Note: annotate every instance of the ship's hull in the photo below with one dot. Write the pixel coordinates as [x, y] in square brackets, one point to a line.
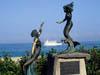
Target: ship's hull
[52, 43]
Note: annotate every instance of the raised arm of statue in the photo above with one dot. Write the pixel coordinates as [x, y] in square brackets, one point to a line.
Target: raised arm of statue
[40, 30]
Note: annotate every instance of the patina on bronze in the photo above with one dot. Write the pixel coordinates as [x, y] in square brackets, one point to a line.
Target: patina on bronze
[68, 9]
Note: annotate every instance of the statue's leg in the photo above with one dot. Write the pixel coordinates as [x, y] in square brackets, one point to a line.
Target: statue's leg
[67, 36]
[70, 43]
[71, 40]
[75, 43]
[69, 28]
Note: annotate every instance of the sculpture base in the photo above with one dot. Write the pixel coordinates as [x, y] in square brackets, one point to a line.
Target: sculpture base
[70, 64]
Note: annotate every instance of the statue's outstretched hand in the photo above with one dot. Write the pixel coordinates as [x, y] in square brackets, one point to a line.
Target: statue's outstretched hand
[59, 22]
[40, 30]
[41, 25]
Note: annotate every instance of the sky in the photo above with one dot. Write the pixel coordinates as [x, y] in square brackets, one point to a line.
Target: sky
[19, 17]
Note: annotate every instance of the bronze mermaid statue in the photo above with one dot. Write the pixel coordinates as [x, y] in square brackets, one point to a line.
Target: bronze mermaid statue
[68, 9]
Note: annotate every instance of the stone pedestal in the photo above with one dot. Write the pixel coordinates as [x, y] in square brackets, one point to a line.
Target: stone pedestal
[70, 64]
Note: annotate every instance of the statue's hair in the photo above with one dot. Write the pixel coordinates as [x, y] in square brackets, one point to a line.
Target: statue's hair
[34, 33]
[68, 7]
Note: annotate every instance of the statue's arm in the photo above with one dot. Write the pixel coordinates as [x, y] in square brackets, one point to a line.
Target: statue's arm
[65, 18]
[40, 30]
[31, 60]
[28, 62]
[59, 22]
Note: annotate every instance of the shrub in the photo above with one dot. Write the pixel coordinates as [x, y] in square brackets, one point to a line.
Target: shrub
[9, 67]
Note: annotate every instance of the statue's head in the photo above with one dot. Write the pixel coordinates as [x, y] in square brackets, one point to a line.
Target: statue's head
[34, 33]
[68, 8]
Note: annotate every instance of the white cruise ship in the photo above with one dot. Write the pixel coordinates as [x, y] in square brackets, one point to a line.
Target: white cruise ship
[51, 43]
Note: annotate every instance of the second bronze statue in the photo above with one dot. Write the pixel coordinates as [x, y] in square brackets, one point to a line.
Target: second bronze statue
[68, 9]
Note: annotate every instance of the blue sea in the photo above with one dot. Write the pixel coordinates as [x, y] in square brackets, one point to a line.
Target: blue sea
[20, 49]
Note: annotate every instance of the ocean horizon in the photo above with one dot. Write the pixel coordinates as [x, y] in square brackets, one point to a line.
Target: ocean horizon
[20, 49]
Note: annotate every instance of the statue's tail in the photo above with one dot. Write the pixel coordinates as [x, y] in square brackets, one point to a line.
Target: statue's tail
[76, 43]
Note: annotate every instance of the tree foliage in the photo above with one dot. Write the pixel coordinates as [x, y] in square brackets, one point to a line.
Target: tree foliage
[9, 67]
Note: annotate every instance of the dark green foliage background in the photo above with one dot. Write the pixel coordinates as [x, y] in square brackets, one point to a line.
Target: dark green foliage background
[9, 67]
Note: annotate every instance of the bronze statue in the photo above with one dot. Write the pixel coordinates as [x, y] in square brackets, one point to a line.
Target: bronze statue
[36, 48]
[68, 9]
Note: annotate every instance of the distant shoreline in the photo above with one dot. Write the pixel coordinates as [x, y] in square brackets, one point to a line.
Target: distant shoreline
[19, 50]
[15, 59]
